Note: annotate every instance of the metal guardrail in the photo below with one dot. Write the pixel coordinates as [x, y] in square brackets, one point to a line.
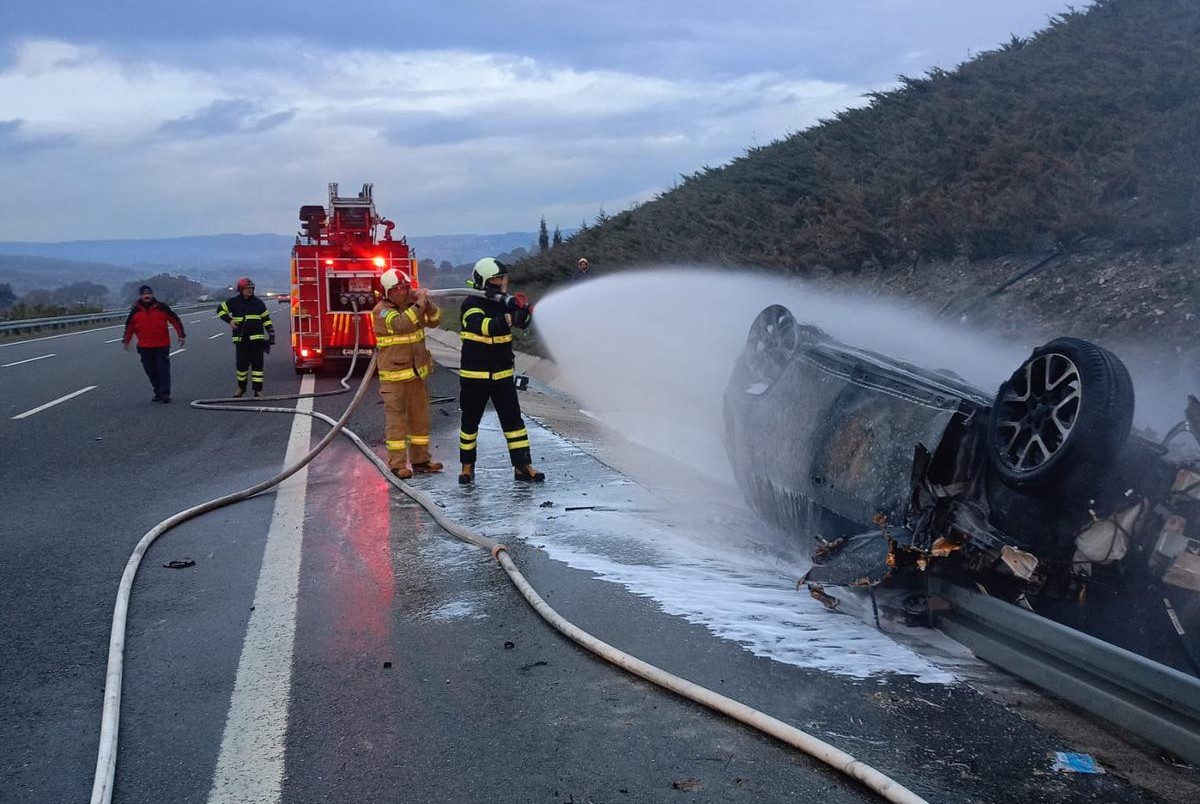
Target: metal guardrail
[1149, 699]
[29, 325]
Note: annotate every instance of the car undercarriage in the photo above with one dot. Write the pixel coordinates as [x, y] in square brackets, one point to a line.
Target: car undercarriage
[1042, 494]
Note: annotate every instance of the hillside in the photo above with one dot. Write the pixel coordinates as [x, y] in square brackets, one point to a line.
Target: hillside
[1079, 142]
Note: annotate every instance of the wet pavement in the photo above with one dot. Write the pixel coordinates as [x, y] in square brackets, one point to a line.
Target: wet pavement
[422, 675]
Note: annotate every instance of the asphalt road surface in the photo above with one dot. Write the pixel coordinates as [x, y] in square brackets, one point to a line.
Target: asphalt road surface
[331, 643]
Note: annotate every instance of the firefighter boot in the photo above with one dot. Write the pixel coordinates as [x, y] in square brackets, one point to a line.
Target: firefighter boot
[239, 392]
[467, 476]
[528, 474]
[404, 473]
[257, 394]
[426, 467]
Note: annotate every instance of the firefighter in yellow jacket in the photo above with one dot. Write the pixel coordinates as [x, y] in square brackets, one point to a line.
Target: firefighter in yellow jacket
[400, 319]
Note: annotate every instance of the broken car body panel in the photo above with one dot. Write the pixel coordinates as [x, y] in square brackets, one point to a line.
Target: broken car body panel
[895, 470]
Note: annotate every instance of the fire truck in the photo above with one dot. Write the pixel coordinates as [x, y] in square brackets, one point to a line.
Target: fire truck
[336, 265]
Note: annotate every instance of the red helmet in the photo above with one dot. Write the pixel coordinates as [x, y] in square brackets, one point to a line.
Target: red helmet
[244, 283]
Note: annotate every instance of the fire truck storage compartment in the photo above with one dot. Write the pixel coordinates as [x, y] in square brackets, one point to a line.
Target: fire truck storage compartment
[344, 290]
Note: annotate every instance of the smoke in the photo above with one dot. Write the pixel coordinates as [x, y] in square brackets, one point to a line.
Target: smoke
[650, 353]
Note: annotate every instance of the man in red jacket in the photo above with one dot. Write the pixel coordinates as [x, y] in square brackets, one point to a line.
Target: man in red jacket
[148, 321]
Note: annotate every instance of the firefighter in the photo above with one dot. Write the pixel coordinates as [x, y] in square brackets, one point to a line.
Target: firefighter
[253, 334]
[400, 319]
[486, 370]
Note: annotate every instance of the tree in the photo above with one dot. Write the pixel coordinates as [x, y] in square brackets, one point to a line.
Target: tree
[81, 293]
[543, 235]
[7, 297]
[38, 297]
[557, 236]
[601, 217]
[167, 288]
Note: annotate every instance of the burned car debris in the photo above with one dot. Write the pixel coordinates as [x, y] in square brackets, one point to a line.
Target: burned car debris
[1040, 493]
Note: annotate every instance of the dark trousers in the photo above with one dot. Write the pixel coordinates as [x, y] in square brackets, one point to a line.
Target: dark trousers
[249, 356]
[473, 398]
[156, 362]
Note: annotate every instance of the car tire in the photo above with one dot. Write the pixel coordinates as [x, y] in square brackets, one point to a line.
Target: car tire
[774, 338]
[1068, 408]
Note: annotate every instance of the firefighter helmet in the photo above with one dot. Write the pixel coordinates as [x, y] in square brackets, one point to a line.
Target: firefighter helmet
[485, 269]
[391, 278]
[243, 283]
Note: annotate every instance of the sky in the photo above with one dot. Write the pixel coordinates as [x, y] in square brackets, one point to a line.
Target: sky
[144, 120]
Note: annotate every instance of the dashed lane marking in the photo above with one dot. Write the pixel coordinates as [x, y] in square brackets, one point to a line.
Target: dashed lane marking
[30, 360]
[63, 335]
[219, 334]
[40, 408]
[177, 351]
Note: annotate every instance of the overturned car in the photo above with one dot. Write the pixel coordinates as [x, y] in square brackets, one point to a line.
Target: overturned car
[1041, 494]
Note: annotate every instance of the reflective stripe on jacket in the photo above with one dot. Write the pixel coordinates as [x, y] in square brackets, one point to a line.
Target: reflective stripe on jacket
[400, 337]
[487, 352]
[251, 316]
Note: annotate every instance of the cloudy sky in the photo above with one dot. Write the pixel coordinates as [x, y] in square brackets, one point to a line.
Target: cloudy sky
[125, 120]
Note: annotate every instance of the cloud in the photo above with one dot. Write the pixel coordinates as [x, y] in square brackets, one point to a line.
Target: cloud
[469, 141]
[15, 141]
[515, 110]
[236, 115]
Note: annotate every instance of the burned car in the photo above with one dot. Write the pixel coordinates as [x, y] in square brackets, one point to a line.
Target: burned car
[1041, 493]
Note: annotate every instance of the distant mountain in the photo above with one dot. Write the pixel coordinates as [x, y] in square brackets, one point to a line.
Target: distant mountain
[239, 253]
[41, 273]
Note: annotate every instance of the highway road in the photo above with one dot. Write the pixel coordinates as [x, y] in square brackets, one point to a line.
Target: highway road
[331, 643]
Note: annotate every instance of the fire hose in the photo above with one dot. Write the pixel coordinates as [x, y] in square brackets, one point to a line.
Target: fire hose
[106, 759]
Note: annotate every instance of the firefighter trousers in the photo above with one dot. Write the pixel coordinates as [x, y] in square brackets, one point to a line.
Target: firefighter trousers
[406, 421]
[249, 363]
[473, 398]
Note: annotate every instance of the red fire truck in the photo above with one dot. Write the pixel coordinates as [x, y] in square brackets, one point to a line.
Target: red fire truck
[336, 265]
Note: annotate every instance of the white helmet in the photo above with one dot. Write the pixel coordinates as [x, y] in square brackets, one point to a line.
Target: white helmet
[391, 278]
[485, 269]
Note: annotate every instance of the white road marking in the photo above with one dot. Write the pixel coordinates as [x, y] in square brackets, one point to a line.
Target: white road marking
[40, 408]
[30, 360]
[250, 764]
[177, 351]
[63, 335]
[115, 340]
[219, 334]
[198, 320]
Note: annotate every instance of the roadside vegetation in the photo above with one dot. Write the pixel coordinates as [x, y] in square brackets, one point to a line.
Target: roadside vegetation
[1083, 134]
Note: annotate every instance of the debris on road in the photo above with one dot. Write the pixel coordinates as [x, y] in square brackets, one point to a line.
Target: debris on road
[1070, 762]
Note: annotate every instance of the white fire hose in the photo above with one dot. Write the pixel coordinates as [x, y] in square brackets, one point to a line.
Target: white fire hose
[106, 759]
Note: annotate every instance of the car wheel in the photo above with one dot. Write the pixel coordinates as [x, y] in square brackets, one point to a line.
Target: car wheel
[773, 340]
[1068, 407]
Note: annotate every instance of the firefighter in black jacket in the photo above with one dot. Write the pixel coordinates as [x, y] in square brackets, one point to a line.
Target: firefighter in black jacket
[253, 334]
[486, 369]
